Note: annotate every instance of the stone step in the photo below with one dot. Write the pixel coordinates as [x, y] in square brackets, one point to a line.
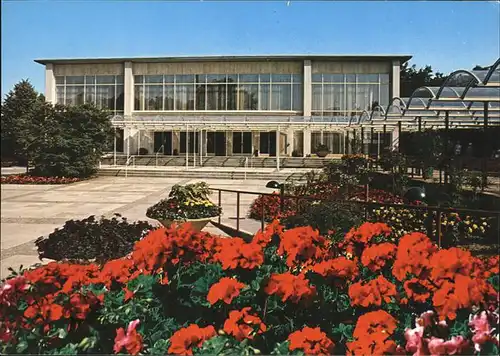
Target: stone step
[201, 174]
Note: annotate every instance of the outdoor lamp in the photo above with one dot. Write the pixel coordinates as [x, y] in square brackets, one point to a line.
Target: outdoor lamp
[275, 185]
[414, 194]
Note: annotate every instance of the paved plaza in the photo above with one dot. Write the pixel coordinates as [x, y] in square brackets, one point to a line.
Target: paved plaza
[31, 211]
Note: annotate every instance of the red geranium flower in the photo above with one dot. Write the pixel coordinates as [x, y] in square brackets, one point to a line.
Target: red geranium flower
[312, 341]
[413, 255]
[233, 253]
[226, 290]
[372, 293]
[289, 286]
[418, 289]
[375, 257]
[302, 245]
[243, 325]
[372, 334]
[183, 340]
[131, 341]
[340, 267]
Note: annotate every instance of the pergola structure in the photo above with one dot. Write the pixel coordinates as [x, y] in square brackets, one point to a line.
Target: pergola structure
[466, 99]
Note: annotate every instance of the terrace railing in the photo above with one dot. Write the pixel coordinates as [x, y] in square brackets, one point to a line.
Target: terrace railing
[436, 212]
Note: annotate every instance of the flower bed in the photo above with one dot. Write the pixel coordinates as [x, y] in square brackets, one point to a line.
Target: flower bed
[284, 292]
[27, 179]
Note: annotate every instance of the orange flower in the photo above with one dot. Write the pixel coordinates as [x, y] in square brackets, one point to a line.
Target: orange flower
[263, 238]
[366, 232]
[226, 290]
[417, 289]
[233, 253]
[312, 341]
[339, 267]
[372, 334]
[375, 257]
[183, 340]
[413, 255]
[302, 244]
[289, 286]
[446, 301]
[372, 293]
[448, 263]
[243, 325]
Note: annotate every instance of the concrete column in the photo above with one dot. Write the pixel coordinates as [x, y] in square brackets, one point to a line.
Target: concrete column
[130, 140]
[395, 79]
[307, 142]
[229, 143]
[50, 84]
[255, 141]
[128, 106]
[307, 88]
[290, 141]
[395, 139]
[176, 141]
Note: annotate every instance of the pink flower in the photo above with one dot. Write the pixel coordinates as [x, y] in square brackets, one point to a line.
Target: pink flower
[132, 341]
[10, 289]
[481, 328]
[438, 346]
[414, 340]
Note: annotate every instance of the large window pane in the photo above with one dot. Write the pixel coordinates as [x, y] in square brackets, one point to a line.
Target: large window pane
[216, 96]
[248, 97]
[189, 78]
[59, 79]
[75, 95]
[153, 79]
[298, 97]
[351, 97]
[249, 78]
[169, 97]
[60, 94]
[75, 80]
[367, 78]
[281, 78]
[333, 78]
[281, 97]
[120, 98]
[328, 97]
[104, 96]
[90, 79]
[153, 97]
[232, 97]
[105, 79]
[317, 98]
[90, 94]
[264, 97]
[317, 78]
[184, 97]
[201, 97]
[384, 95]
[139, 97]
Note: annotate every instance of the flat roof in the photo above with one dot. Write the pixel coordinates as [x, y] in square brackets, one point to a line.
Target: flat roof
[235, 58]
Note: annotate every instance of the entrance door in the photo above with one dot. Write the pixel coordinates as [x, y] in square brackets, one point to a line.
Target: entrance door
[163, 139]
[220, 143]
[268, 143]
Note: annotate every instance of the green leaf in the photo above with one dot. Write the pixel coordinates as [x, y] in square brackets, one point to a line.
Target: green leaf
[21, 346]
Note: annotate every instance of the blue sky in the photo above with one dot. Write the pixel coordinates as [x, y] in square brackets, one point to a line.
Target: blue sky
[446, 35]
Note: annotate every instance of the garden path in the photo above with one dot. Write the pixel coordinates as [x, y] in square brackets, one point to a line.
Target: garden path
[30, 211]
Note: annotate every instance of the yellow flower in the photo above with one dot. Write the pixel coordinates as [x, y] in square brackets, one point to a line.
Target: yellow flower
[475, 226]
[186, 203]
[467, 222]
[470, 229]
[482, 229]
[191, 204]
[485, 224]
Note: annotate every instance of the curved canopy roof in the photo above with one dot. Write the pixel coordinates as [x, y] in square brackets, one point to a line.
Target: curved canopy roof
[464, 98]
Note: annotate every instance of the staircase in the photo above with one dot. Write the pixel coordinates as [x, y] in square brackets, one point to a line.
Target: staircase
[221, 161]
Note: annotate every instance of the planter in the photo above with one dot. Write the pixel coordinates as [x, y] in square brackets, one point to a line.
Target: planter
[198, 224]
[322, 154]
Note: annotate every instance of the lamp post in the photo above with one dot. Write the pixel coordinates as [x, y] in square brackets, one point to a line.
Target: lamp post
[275, 185]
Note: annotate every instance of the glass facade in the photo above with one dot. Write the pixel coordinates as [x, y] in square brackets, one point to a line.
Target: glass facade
[218, 92]
[348, 94]
[106, 91]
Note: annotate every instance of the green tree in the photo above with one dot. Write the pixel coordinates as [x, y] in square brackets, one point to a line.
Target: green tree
[21, 122]
[413, 78]
[74, 142]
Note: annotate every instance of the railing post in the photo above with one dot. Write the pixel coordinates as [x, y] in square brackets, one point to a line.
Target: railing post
[262, 214]
[282, 198]
[220, 196]
[438, 227]
[237, 211]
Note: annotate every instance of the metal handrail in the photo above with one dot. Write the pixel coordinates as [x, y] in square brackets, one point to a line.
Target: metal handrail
[366, 204]
[156, 154]
[127, 163]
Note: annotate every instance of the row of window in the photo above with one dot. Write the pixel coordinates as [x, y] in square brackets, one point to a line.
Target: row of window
[214, 92]
[332, 94]
[106, 91]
